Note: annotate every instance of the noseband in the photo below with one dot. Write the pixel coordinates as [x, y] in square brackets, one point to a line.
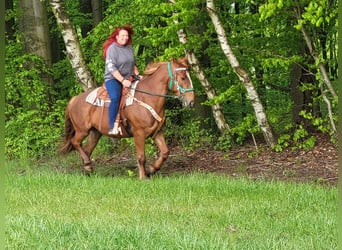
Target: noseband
[174, 80]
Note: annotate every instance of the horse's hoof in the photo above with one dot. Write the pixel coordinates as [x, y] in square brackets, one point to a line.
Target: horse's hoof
[88, 170]
[151, 171]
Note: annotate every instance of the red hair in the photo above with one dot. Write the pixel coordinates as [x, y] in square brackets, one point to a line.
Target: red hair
[112, 37]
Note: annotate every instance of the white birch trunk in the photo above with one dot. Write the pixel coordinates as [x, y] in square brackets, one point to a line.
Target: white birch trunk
[243, 76]
[324, 74]
[72, 45]
[221, 123]
[321, 66]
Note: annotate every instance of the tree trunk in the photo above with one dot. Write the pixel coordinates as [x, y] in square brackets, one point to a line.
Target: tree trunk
[221, 123]
[85, 8]
[10, 22]
[321, 66]
[34, 25]
[323, 71]
[243, 76]
[296, 93]
[72, 45]
[313, 53]
[97, 10]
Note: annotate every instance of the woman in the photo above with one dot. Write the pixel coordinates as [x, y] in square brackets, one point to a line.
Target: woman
[119, 67]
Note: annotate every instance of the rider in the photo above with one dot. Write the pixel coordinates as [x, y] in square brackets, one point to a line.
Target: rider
[119, 67]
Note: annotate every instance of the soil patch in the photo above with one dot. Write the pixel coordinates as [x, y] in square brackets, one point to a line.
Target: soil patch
[317, 165]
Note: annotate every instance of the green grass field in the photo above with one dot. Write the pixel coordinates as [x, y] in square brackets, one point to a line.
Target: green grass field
[47, 209]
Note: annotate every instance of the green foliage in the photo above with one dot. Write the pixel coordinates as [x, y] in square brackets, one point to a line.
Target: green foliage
[299, 139]
[302, 139]
[33, 113]
[322, 123]
[224, 142]
[32, 136]
[184, 130]
[245, 129]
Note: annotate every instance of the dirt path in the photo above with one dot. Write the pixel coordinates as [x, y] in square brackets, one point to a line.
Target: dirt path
[318, 165]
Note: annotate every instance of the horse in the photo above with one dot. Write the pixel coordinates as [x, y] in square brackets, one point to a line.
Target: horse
[142, 116]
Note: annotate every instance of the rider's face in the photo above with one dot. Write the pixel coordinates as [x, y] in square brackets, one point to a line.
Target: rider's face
[122, 38]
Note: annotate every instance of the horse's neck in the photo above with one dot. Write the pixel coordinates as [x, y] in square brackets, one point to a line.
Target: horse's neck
[156, 87]
[156, 83]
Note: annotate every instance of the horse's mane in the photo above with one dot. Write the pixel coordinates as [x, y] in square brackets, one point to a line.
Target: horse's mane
[152, 67]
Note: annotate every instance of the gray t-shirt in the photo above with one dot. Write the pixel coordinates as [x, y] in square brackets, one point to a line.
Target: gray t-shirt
[119, 58]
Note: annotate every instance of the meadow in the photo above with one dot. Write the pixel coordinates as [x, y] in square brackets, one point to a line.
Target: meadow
[47, 209]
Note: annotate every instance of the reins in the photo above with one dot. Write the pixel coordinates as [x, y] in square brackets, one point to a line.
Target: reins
[181, 90]
[153, 94]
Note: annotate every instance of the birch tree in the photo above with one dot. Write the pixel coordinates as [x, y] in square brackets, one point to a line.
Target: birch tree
[242, 75]
[322, 70]
[221, 122]
[317, 22]
[72, 45]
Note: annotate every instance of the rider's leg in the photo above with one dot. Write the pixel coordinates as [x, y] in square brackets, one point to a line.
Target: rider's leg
[114, 92]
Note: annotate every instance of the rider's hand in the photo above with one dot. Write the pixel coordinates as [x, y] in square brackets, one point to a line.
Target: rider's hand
[126, 83]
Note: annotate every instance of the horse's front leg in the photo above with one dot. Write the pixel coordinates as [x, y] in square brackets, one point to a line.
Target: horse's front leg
[164, 152]
[139, 141]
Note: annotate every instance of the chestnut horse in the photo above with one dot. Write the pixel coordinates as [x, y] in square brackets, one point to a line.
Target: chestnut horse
[143, 118]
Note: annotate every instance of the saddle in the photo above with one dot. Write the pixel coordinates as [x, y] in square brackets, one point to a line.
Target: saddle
[99, 97]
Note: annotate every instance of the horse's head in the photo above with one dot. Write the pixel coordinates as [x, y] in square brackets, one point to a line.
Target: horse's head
[180, 81]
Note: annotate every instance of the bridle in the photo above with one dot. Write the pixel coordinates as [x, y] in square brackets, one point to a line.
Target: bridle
[173, 80]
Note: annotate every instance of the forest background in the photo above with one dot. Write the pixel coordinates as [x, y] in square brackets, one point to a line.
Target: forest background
[264, 71]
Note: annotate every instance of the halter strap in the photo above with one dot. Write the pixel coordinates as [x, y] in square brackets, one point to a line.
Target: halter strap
[170, 74]
[181, 90]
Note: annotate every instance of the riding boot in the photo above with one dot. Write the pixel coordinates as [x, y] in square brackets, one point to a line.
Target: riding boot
[116, 129]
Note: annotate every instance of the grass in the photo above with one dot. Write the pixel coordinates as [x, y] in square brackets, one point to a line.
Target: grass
[47, 209]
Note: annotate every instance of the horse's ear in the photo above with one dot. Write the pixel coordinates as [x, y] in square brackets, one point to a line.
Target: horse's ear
[184, 61]
[187, 56]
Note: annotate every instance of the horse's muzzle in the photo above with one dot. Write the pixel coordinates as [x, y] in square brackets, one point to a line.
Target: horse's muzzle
[187, 103]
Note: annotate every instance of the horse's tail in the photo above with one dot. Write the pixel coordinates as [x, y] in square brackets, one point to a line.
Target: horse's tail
[69, 132]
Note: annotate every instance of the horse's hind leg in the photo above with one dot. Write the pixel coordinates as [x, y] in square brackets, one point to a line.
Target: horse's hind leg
[77, 143]
[164, 152]
[92, 140]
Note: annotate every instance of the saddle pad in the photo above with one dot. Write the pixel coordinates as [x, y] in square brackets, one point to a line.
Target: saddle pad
[98, 97]
[94, 99]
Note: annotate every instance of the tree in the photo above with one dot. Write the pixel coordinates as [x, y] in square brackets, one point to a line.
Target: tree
[97, 11]
[209, 90]
[316, 20]
[243, 76]
[72, 45]
[34, 26]
[9, 20]
[322, 70]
